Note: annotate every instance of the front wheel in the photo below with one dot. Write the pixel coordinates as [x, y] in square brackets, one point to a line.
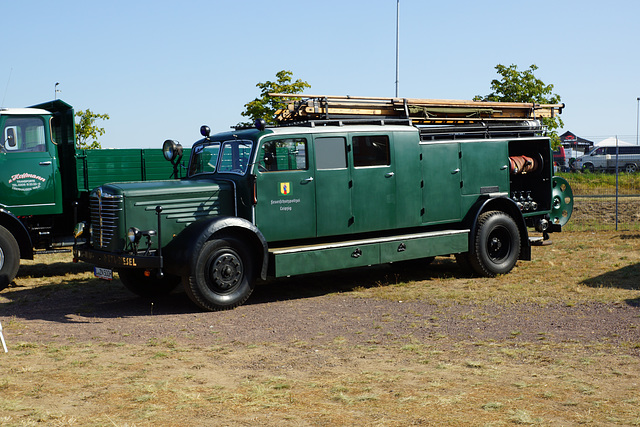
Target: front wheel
[9, 258]
[496, 244]
[222, 276]
[148, 286]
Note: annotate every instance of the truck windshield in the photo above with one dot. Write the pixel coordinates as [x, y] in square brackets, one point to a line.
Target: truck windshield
[223, 157]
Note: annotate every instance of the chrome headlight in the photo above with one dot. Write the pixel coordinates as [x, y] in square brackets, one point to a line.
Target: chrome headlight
[171, 150]
[134, 235]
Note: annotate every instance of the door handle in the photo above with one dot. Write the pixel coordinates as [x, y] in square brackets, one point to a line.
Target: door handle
[389, 174]
[504, 167]
[307, 180]
[455, 171]
[47, 163]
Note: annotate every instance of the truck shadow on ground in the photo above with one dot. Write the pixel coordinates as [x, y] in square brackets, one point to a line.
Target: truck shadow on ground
[53, 269]
[93, 298]
[317, 284]
[623, 278]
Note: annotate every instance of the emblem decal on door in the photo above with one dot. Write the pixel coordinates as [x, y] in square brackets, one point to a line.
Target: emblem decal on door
[285, 188]
[26, 182]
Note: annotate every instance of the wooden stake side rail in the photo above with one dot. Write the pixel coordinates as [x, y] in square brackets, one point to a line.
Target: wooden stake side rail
[419, 111]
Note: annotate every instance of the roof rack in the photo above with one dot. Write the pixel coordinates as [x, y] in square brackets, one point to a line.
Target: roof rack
[303, 108]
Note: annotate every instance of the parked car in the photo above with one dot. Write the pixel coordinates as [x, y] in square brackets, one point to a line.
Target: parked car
[605, 159]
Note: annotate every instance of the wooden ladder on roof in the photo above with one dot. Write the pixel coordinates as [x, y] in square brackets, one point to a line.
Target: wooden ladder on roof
[301, 108]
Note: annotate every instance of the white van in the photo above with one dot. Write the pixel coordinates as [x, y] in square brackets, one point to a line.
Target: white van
[604, 159]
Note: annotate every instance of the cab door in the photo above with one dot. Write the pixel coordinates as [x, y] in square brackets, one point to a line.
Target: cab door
[285, 189]
[28, 170]
[374, 183]
[333, 186]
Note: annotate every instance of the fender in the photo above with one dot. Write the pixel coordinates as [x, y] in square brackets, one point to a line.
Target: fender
[180, 252]
[504, 204]
[19, 232]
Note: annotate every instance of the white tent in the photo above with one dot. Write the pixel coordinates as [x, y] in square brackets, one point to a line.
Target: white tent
[611, 142]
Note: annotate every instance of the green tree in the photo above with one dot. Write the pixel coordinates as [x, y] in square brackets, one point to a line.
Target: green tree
[87, 132]
[265, 106]
[524, 86]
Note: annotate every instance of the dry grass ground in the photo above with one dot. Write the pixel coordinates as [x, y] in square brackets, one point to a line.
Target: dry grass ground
[555, 342]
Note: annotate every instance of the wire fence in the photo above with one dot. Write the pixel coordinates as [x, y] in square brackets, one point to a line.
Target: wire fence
[604, 201]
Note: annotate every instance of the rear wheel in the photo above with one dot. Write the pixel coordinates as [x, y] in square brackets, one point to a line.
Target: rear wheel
[9, 258]
[147, 286]
[496, 244]
[630, 168]
[222, 276]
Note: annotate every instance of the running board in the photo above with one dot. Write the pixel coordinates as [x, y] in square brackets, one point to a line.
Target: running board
[294, 260]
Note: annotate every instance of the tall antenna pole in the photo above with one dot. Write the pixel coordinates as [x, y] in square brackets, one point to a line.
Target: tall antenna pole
[397, 45]
[638, 120]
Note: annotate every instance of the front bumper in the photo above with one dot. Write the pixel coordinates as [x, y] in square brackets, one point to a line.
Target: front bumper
[116, 261]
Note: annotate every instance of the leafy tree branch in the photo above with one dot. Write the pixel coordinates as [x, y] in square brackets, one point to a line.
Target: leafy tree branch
[265, 106]
[87, 132]
[524, 86]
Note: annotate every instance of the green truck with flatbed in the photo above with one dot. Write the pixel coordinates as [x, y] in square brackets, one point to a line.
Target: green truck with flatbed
[341, 182]
[45, 181]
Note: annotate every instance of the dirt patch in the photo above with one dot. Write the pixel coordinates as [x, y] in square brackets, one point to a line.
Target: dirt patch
[555, 342]
[588, 210]
[119, 317]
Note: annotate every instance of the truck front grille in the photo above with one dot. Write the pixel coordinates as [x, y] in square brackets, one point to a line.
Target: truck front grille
[104, 217]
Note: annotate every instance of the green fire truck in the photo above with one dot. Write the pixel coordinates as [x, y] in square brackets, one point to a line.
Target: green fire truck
[340, 182]
[45, 181]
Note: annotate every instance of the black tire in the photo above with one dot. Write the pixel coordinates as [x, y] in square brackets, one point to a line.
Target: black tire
[139, 284]
[496, 244]
[630, 168]
[222, 275]
[9, 258]
[588, 168]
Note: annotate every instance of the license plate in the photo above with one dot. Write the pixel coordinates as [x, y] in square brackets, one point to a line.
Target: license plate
[103, 273]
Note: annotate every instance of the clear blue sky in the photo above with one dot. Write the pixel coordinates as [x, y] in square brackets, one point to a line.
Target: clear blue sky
[161, 69]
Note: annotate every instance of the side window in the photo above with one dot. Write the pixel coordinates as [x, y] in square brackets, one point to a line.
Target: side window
[371, 151]
[283, 155]
[23, 134]
[331, 153]
[629, 150]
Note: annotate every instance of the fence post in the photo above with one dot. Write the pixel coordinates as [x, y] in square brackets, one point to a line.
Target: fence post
[617, 183]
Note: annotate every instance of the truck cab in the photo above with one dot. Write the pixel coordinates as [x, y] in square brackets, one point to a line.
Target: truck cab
[30, 181]
[29, 163]
[326, 194]
[45, 181]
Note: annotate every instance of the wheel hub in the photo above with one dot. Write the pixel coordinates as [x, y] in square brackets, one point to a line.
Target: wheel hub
[226, 271]
[1, 258]
[498, 245]
[495, 244]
